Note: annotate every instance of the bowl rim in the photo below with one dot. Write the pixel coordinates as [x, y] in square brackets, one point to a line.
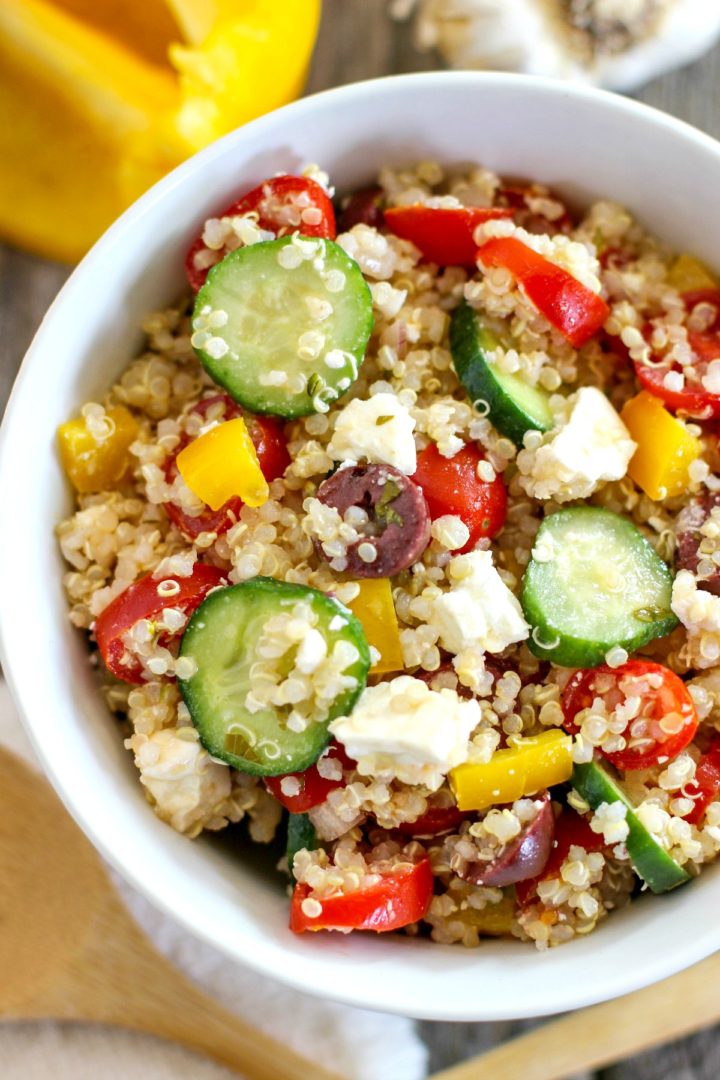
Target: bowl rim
[262, 957]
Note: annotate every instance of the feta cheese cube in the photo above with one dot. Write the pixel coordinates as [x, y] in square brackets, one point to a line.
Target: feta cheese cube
[591, 447]
[404, 730]
[378, 430]
[478, 611]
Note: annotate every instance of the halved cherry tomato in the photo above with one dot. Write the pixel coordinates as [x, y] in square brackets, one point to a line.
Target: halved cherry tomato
[443, 234]
[571, 830]
[452, 486]
[568, 305]
[519, 198]
[279, 203]
[705, 787]
[693, 399]
[401, 897]
[435, 820]
[267, 435]
[146, 599]
[314, 788]
[667, 710]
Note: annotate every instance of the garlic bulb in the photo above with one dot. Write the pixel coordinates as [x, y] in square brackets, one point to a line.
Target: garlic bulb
[614, 43]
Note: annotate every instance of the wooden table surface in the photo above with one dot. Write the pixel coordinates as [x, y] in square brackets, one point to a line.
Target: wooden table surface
[358, 40]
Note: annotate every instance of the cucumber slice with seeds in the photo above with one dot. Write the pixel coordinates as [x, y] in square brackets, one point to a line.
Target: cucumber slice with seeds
[603, 585]
[248, 640]
[514, 406]
[650, 861]
[283, 325]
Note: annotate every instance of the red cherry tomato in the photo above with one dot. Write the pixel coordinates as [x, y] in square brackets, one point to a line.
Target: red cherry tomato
[267, 435]
[666, 709]
[313, 788]
[443, 235]
[693, 399]
[705, 787]
[452, 486]
[568, 305]
[571, 830]
[145, 599]
[279, 203]
[401, 897]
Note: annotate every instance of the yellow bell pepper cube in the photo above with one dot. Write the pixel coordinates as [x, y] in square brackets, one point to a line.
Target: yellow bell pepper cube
[687, 274]
[665, 449]
[102, 99]
[523, 768]
[375, 609]
[222, 464]
[495, 920]
[97, 459]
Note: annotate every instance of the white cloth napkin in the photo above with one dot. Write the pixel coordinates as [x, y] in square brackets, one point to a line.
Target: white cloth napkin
[362, 1045]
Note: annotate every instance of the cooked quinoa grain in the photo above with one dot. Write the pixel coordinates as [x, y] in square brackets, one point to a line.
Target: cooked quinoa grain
[462, 678]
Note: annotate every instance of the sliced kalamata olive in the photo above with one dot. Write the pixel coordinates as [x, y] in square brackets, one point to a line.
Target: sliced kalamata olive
[363, 207]
[687, 528]
[397, 526]
[524, 857]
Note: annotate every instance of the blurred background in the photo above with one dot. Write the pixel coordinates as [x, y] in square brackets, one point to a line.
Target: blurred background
[99, 98]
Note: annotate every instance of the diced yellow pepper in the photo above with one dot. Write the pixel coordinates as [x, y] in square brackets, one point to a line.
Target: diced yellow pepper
[494, 920]
[96, 462]
[222, 464]
[375, 609]
[523, 768]
[687, 274]
[101, 98]
[665, 448]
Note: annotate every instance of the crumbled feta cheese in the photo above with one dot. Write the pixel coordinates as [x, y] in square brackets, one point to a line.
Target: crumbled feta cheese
[380, 430]
[591, 447]
[402, 729]
[478, 610]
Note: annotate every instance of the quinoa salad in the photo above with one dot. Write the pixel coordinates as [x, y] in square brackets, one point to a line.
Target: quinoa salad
[400, 541]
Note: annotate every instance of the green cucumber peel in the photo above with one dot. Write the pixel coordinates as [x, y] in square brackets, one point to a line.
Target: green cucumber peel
[650, 861]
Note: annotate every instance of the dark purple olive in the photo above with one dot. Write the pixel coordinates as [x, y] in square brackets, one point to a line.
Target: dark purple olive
[363, 207]
[397, 530]
[687, 529]
[524, 857]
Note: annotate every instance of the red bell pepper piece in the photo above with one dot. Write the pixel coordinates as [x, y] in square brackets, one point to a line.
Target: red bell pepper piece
[401, 897]
[568, 305]
[443, 234]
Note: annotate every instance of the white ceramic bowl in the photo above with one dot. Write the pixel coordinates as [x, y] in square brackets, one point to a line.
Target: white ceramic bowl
[582, 142]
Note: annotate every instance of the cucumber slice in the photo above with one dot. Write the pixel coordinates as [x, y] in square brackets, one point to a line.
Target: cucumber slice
[300, 835]
[252, 313]
[650, 861]
[227, 637]
[604, 585]
[515, 407]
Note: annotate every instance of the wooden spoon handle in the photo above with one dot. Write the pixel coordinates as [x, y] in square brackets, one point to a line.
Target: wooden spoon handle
[126, 983]
[602, 1034]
